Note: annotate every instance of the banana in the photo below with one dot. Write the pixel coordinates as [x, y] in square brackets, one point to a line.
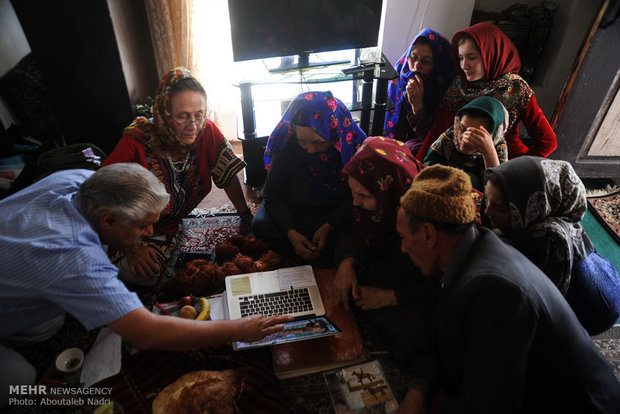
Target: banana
[205, 309]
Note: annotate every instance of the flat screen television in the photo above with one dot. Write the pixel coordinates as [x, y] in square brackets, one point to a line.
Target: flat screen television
[271, 28]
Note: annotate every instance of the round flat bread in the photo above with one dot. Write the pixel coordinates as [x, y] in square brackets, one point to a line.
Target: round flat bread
[212, 392]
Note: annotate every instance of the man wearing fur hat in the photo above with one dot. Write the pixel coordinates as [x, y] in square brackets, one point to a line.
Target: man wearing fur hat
[503, 339]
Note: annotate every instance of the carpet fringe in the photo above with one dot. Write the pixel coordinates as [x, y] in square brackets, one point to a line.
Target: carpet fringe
[213, 211]
[603, 191]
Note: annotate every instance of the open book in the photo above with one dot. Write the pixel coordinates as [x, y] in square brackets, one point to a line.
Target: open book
[360, 388]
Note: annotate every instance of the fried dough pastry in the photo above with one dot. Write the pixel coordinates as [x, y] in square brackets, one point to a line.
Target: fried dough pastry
[245, 263]
[198, 277]
[229, 268]
[225, 251]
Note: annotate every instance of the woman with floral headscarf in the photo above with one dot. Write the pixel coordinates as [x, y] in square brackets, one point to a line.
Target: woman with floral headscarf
[425, 72]
[382, 281]
[488, 64]
[304, 198]
[476, 140]
[378, 175]
[536, 205]
[185, 151]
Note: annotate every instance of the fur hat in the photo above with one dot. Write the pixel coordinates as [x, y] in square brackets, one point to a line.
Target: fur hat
[440, 194]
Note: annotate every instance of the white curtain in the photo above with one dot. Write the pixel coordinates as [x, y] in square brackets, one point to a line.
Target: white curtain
[212, 62]
[170, 22]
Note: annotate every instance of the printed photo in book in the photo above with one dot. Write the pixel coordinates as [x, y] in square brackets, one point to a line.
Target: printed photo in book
[360, 388]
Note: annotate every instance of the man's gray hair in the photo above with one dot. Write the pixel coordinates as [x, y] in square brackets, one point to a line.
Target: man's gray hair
[128, 190]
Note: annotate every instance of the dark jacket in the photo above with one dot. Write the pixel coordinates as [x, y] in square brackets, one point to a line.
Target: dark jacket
[505, 341]
[292, 202]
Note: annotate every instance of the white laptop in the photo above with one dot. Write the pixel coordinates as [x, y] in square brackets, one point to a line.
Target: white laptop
[289, 291]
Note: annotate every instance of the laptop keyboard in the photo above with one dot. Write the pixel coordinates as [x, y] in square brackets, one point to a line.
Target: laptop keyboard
[279, 303]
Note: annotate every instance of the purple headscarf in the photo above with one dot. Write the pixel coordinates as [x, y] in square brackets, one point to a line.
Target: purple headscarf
[435, 84]
[331, 119]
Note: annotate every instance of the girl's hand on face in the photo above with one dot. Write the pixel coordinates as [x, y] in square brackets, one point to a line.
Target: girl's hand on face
[415, 93]
[479, 140]
[476, 140]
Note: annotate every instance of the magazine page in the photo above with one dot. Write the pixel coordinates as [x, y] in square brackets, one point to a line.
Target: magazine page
[310, 328]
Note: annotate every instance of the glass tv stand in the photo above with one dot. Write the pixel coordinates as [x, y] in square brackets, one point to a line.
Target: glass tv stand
[368, 97]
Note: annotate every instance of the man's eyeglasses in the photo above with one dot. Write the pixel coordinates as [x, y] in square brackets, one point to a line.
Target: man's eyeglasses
[186, 119]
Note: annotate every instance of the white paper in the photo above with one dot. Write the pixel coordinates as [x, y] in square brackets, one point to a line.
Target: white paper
[104, 358]
[217, 307]
[300, 276]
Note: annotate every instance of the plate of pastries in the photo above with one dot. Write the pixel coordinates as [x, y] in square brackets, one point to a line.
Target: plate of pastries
[239, 254]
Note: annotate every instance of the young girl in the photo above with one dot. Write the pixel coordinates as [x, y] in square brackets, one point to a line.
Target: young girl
[475, 142]
[425, 73]
[488, 66]
[536, 205]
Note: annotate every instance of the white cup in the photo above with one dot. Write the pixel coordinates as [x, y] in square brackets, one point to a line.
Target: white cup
[70, 360]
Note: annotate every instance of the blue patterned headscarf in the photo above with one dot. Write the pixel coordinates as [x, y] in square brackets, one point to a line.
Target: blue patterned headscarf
[331, 119]
[435, 84]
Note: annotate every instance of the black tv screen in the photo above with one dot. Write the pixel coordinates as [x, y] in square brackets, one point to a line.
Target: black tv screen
[270, 28]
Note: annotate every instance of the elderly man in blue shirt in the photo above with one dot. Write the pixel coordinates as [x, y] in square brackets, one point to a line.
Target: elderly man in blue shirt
[54, 237]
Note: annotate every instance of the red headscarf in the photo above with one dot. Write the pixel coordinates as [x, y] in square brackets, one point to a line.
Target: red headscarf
[501, 63]
[499, 54]
[386, 168]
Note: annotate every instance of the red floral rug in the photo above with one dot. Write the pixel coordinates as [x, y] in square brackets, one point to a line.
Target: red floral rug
[202, 234]
[204, 229]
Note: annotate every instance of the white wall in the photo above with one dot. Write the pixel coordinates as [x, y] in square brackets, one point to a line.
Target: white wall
[406, 18]
[13, 47]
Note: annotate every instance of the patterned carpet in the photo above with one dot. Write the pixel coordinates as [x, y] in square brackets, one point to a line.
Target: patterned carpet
[609, 344]
[605, 206]
[202, 234]
[204, 228]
